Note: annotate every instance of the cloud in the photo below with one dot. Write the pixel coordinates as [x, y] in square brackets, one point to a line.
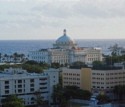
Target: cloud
[97, 16]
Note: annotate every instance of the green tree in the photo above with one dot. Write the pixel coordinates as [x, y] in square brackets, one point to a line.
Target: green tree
[78, 65]
[55, 65]
[114, 49]
[76, 93]
[13, 101]
[119, 91]
[58, 96]
[102, 98]
[39, 100]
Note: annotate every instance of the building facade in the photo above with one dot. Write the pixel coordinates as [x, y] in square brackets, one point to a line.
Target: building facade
[23, 84]
[66, 51]
[96, 81]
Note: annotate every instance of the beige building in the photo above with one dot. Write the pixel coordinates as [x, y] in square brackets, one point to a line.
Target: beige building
[96, 81]
[105, 80]
[76, 77]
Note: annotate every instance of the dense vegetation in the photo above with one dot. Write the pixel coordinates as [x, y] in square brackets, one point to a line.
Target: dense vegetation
[12, 101]
[78, 65]
[62, 95]
[119, 91]
[98, 65]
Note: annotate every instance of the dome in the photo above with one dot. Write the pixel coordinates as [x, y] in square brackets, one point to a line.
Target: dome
[64, 42]
[64, 38]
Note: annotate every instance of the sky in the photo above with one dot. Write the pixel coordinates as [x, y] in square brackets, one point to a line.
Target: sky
[46, 19]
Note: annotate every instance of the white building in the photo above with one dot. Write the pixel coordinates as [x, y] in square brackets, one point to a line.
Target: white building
[24, 85]
[40, 55]
[66, 51]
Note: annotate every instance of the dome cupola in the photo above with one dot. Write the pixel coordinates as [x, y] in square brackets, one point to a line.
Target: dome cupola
[64, 42]
[64, 39]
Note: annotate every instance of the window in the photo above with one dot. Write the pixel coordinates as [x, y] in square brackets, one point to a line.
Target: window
[19, 81]
[31, 80]
[19, 86]
[31, 89]
[7, 87]
[6, 91]
[43, 88]
[31, 85]
[43, 83]
[19, 90]
[6, 82]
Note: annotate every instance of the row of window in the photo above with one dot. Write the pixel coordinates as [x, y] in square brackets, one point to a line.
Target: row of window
[40, 53]
[97, 73]
[101, 87]
[115, 78]
[93, 59]
[97, 78]
[71, 78]
[93, 55]
[108, 73]
[18, 81]
[23, 90]
[71, 74]
[60, 61]
[116, 82]
[73, 83]
[38, 57]
[98, 82]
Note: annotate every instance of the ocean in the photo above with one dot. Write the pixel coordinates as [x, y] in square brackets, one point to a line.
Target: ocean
[24, 46]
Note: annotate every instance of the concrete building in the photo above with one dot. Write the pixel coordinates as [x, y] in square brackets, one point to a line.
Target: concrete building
[24, 85]
[77, 77]
[96, 81]
[41, 55]
[66, 51]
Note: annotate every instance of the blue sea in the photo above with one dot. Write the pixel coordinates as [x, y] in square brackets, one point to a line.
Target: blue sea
[24, 46]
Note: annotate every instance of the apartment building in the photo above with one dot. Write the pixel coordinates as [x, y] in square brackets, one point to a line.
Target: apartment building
[24, 85]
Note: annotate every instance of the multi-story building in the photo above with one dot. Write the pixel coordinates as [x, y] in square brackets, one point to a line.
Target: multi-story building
[96, 81]
[24, 85]
[41, 55]
[66, 51]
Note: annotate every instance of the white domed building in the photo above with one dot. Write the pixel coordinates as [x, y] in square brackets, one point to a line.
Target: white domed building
[65, 42]
[65, 51]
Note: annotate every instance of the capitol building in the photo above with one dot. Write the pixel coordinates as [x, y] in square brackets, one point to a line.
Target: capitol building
[66, 51]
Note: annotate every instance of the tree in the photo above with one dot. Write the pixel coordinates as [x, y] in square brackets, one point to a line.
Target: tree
[58, 96]
[13, 101]
[55, 65]
[76, 93]
[114, 49]
[119, 91]
[102, 98]
[39, 100]
[97, 64]
[78, 65]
